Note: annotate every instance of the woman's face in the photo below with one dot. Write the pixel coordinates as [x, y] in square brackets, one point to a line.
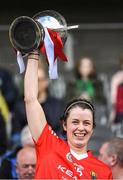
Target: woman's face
[79, 128]
[86, 67]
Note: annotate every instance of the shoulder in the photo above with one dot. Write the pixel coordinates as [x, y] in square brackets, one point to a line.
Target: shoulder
[117, 75]
[98, 162]
[102, 165]
[48, 136]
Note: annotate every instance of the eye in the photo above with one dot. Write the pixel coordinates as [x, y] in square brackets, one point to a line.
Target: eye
[25, 166]
[87, 123]
[74, 122]
[33, 166]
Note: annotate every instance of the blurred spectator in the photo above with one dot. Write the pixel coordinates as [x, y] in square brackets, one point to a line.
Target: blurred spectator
[18, 120]
[8, 160]
[86, 76]
[8, 88]
[8, 103]
[87, 83]
[8, 164]
[26, 137]
[57, 88]
[25, 163]
[116, 100]
[4, 109]
[4, 124]
[111, 153]
[3, 135]
[52, 106]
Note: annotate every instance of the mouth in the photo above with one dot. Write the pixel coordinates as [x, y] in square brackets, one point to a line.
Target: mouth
[80, 135]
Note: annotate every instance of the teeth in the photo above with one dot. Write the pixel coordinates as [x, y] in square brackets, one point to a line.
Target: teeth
[80, 135]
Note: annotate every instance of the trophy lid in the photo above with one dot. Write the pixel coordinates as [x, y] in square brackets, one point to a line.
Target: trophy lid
[53, 20]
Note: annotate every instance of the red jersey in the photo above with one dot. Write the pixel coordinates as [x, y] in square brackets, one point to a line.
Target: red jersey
[54, 160]
[119, 100]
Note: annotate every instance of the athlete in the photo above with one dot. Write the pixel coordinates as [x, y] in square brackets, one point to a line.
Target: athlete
[58, 158]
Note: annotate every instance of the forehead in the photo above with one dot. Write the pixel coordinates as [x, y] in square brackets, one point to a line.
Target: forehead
[26, 156]
[104, 148]
[79, 112]
[86, 61]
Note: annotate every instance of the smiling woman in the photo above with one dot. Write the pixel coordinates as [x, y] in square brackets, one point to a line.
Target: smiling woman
[79, 126]
[57, 158]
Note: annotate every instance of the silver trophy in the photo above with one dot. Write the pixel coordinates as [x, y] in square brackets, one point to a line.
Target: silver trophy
[27, 34]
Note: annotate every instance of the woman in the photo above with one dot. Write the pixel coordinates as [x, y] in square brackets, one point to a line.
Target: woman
[88, 83]
[85, 76]
[56, 158]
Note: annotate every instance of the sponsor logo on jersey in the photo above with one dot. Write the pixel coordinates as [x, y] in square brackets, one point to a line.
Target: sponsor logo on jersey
[93, 175]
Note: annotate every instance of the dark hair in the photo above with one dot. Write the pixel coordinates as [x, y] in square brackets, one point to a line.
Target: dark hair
[83, 103]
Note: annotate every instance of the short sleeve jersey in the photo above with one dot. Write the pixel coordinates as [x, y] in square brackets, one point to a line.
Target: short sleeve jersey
[54, 160]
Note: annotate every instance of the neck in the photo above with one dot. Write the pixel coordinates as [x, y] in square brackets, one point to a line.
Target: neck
[85, 78]
[79, 150]
[117, 172]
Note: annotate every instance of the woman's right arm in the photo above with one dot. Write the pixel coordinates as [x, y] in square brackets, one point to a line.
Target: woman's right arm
[34, 112]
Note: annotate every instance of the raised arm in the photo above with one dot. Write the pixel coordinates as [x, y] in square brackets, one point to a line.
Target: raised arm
[34, 112]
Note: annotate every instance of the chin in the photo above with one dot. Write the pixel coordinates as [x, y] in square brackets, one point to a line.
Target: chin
[80, 144]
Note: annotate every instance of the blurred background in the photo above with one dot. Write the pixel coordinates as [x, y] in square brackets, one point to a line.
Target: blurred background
[99, 36]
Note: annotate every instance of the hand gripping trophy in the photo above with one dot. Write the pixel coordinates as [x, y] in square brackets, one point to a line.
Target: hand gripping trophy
[46, 31]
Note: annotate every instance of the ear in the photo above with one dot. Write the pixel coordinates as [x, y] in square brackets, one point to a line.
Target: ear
[17, 169]
[64, 125]
[113, 159]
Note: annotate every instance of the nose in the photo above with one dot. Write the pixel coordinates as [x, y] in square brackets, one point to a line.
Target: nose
[31, 168]
[81, 126]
